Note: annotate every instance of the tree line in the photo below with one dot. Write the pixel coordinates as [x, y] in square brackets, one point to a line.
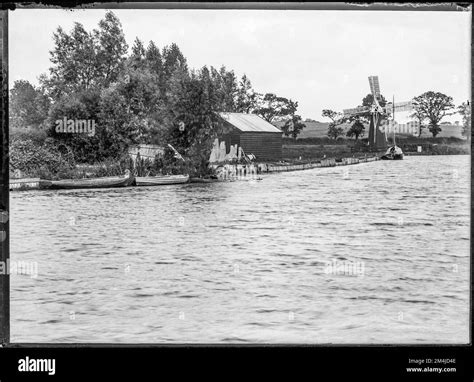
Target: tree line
[429, 109]
[149, 95]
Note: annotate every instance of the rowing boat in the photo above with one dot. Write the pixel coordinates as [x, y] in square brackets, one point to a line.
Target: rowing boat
[105, 182]
[161, 180]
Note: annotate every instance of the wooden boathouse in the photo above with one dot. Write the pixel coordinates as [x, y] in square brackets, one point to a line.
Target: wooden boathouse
[255, 135]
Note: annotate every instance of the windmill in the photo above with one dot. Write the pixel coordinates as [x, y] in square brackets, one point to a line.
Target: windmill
[377, 138]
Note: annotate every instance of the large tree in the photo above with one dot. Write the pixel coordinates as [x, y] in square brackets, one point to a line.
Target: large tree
[334, 129]
[83, 60]
[273, 108]
[434, 106]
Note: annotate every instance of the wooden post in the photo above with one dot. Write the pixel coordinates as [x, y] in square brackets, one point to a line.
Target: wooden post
[4, 185]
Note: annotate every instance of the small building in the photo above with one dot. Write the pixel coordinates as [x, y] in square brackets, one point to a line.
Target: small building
[255, 135]
[146, 151]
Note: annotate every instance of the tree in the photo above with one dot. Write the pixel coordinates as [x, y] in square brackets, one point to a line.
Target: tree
[173, 60]
[193, 121]
[293, 126]
[246, 100]
[465, 110]
[112, 47]
[138, 87]
[83, 60]
[434, 106]
[368, 100]
[226, 87]
[80, 105]
[334, 130]
[154, 60]
[419, 116]
[137, 58]
[357, 130]
[273, 108]
[28, 105]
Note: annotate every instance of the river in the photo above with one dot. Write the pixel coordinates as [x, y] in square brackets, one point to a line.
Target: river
[369, 253]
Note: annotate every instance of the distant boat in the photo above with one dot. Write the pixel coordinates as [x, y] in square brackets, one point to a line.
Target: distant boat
[161, 180]
[393, 153]
[104, 182]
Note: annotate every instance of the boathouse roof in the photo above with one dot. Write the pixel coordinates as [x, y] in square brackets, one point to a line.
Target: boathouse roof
[249, 123]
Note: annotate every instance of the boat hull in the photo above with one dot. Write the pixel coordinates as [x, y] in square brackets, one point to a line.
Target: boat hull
[161, 180]
[105, 182]
[392, 157]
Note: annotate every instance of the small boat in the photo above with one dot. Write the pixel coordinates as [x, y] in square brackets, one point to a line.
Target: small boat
[393, 153]
[105, 182]
[161, 180]
[29, 184]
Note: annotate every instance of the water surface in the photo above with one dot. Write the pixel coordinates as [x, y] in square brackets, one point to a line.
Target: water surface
[247, 261]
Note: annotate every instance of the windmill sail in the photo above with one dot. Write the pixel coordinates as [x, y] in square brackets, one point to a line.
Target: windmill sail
[355, 110]
[374, 87]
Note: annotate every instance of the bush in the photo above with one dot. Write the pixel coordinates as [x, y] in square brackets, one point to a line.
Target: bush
[40, 160]
[37, 136]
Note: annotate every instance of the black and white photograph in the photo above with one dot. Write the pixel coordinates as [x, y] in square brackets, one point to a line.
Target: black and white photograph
[239, 176]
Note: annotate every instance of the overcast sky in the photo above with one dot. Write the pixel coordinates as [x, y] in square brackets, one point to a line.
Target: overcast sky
[319, 58]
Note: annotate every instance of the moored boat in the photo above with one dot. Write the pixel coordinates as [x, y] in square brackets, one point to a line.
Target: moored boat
[105, 182]
[161, 180]
[393, 153]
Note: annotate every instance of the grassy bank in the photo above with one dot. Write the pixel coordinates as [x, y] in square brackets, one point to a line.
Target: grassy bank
[317, 148]
[307, 152]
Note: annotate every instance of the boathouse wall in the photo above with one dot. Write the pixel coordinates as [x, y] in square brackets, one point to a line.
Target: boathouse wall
[265, 145]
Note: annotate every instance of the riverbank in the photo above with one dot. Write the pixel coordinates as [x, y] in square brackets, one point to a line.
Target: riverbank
[319, 148]
[227, 171]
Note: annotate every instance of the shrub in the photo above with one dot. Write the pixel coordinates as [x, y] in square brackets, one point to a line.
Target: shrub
[37, 136]
[35, 160]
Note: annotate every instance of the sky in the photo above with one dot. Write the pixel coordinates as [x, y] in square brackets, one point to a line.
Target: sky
[321, 59]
